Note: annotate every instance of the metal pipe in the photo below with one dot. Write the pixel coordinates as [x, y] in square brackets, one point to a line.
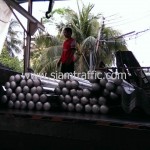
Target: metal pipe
[48, 89]
[79, 79]
[127, 85]
[43, 78]
[85, 85]
[91, 60]
[49, 83]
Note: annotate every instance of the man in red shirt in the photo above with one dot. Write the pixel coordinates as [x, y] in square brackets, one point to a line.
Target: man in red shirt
[67, 56]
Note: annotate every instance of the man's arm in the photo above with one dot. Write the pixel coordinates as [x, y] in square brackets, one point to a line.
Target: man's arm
[59, 62]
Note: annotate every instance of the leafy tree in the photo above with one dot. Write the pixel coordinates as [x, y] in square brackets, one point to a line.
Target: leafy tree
[10, 62]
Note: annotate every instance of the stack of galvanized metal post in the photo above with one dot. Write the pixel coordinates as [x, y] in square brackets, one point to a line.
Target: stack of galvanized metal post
[32, 92]
[28, 92]
[89, 96]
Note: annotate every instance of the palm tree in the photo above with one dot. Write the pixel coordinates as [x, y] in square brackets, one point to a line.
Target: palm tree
[112, 41]
[85, 28]
[83, 22]
[46, 63]
[45, 53]
[12, 42]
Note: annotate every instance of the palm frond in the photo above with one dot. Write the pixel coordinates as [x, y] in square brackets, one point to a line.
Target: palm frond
[12, 42]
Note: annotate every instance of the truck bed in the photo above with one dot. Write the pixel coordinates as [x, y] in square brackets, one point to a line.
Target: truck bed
[33, 130]
[62, 130]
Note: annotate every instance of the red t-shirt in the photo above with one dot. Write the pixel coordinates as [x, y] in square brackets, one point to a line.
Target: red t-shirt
[68, 52]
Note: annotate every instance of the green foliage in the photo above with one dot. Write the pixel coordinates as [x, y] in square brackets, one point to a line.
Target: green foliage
[13, 42]
[46, 53]
[83, 22]
[85, 26]
[11, 62]
[46, 63]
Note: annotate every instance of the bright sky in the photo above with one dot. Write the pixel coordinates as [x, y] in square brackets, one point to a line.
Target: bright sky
[122, 15]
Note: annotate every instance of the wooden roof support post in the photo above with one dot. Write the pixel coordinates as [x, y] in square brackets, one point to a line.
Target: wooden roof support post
[28, 40]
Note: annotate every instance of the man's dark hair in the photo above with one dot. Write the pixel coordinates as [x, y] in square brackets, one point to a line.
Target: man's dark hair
[67, 29]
